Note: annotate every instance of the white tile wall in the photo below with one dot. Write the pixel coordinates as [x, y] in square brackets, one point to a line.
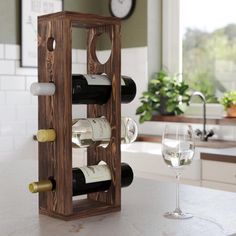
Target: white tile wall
[18, 98]
[81, 56]
[13, 128]
[7, 67]
[25, 70]
[8, 113]
[2, 98]
[74, 56]
[12, 51]
[30, 80]
[79, 68]
[18, 108]
[12, 82]
[26, 113]
[1, 51]
[6, 143]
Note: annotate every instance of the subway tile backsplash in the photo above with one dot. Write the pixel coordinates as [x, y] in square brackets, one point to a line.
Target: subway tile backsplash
[12, 52]
[12, 82]
[1, 51]
[18, 108]
[7, 67]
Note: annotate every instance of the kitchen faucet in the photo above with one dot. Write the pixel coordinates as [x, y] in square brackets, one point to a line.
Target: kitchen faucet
[204, 135]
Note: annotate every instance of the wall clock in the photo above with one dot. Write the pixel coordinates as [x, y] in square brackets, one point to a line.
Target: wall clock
[122, 8]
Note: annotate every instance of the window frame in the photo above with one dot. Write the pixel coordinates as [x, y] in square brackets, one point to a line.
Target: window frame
[172, 48]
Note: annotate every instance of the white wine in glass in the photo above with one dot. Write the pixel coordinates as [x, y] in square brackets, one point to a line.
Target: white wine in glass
[177, 152]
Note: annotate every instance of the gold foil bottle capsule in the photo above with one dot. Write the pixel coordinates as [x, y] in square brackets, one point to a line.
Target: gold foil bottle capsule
[41, 186]
[46, 135]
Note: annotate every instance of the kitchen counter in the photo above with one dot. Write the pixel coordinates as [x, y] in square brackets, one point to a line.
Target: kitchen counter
[218, 169]
[143, 205]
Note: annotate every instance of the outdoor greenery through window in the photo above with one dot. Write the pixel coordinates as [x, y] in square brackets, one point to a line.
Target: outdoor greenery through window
[209, 46]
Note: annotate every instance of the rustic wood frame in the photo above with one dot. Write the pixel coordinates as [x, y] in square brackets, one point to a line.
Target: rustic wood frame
[55, 158]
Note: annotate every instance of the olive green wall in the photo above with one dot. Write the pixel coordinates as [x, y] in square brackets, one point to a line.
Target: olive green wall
[134, 29]
[10, 21]
[86, 6]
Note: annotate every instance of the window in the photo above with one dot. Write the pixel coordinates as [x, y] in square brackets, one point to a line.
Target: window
[199, 41]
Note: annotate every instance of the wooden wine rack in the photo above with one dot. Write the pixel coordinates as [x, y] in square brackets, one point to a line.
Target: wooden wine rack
[55, 158]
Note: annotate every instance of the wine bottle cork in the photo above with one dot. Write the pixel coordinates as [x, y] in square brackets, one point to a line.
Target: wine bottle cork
[46, 135]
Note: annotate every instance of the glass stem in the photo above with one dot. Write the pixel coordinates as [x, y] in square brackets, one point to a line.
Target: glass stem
[177, 191]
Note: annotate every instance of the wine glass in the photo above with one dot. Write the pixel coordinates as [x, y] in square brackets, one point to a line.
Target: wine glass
[177, 152]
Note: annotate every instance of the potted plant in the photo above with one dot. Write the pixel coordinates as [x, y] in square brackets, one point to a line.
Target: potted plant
[229, 102]
[166, 95]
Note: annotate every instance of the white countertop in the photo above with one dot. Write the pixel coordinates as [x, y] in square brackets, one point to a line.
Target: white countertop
[143, 205]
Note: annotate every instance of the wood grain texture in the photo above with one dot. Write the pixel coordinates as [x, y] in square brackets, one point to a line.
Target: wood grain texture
[82, 20]
[111, 110]
[45, 117]
[84, 208]
[55, 158]
[218, 157]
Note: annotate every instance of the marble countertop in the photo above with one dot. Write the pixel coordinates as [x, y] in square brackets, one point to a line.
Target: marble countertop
[143, 205]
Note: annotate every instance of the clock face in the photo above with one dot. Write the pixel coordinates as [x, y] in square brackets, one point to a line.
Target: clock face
[122, 8]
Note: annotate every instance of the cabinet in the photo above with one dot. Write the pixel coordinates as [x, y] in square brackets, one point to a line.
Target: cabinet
[219, 171]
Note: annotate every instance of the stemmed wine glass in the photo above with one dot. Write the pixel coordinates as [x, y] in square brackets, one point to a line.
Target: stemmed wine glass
[177, 152]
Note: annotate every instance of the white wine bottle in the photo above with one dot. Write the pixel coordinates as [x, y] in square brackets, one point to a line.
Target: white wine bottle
[86, 132]
[87, 179]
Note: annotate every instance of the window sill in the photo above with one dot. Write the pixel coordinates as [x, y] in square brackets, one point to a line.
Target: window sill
[195, 119]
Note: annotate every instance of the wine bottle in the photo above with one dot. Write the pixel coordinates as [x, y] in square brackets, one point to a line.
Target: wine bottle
[96, 89]
[88, 179]
[86, 132]
[90, 89]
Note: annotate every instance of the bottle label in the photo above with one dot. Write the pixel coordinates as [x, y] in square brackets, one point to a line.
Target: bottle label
[122, 82]
[96, 173]
[101, 130]
[99, 80]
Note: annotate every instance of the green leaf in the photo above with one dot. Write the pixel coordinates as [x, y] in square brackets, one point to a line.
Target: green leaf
[154, 82]
[140, 110]
[148, 116]
[171, 107]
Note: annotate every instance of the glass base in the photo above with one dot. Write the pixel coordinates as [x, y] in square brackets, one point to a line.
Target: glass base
[178, 214]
